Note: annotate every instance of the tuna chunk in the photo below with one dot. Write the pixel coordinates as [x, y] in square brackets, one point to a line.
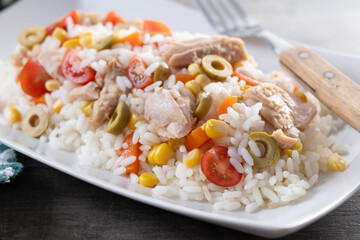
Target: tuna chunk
[278, 107]
[109, 94]
[284, 114]
[88, 92]
[20, 57]
[51, 61]
[283, 140]
[181, 54]
[169, 113]
[305, 112]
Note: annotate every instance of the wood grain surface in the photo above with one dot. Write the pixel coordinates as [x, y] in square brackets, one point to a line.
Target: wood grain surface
[332, 87]
[43, 203]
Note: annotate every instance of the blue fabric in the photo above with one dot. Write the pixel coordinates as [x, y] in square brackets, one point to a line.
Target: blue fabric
[9, 167]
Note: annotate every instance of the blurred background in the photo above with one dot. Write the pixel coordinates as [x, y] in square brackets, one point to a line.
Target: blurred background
[330, 24]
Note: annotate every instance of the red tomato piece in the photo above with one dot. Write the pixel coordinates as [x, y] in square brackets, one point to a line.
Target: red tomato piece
[249, 81]
[114, 18]
[216, 166]
[71, 69]
[153, 27]
[131, 150]
[32, 79]
[135, 72]
[62, 22]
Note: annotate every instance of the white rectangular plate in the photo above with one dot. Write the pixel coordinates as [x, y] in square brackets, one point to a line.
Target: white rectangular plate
[331, 190]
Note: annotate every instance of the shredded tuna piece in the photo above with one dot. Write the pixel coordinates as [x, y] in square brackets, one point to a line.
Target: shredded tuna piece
[278, 107]
[169, 113]
[109, 95]
[181, 54]
[283, 140]
[51, 61]
[305, 112]
[20, 57]
[88, 92]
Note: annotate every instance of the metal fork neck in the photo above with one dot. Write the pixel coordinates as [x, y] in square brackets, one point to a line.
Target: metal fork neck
[276, 43]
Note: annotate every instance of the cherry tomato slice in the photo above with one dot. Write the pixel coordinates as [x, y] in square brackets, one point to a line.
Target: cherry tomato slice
[32, 79]
[71, 69]
[114, 18]
[135, 72]
[62, 22]
[216, 166]
[153, 27]
[132, 150]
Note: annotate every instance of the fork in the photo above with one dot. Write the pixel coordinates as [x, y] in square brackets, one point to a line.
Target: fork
[332, 87]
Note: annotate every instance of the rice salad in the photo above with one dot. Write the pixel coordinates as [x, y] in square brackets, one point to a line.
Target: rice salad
[188, 115]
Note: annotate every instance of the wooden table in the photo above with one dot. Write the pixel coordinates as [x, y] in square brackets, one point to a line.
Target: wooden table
[43, 203]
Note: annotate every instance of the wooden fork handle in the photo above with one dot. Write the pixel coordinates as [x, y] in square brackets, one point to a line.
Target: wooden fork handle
[333, 88]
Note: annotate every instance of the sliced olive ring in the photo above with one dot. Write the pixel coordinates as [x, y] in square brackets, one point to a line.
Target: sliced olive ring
[35, 122]
[162, 72]
[104, 43]
[32, 36]
[204, 104]
[271, 149]
[119, 119]
[216, 67]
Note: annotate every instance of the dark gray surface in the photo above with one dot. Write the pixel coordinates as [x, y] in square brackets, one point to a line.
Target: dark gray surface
[43, 203]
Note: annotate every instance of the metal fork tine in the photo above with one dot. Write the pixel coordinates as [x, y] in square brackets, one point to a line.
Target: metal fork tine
[204, 8]
[236, 20]
[219, 15]
[241, 12]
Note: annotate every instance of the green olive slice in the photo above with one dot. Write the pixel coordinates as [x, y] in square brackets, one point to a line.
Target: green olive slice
[119, 119]
[271, 149]
[216, 67]
[31, 36]
[35, 122]
[204, 104]
[104, 43]
[162, 72]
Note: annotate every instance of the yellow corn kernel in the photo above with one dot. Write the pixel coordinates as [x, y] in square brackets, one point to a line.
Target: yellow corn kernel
[244, 88]
[59, 34]
[52, 85]
[202, 80]
[148, 179]
[302, 96]
[86, 39]
[176, 142]
[151, 154]
[297, 146]
[84, 104]
[215, 128]
[71, 43]
[134, 118]
[193, 87]
[12, 115]
[58, 105]
[116, 37]
[193, 158]
[335, 162]
[162, 154]
[88, 109]
[195, 69]
[237, 64]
